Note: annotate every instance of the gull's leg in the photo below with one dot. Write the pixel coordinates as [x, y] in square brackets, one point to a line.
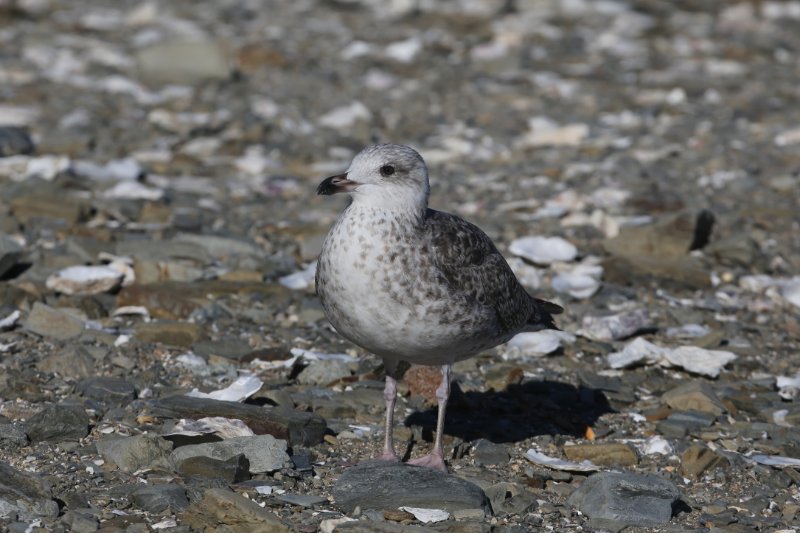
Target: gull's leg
[436, 458]
[390, 395]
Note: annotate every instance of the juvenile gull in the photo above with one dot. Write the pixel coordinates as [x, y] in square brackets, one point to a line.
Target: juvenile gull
[409, 283]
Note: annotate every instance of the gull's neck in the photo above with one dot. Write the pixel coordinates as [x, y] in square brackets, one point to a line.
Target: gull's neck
[395, 203]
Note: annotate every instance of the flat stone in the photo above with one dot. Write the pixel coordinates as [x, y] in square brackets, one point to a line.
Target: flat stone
[160, 498]
[510, 498]
[697, 458]
[296, 427]
[80, 521]
[324, 373]
[170, 333]
[264, 452]
[108, 390]
[73, 361]
[303, 500]
[12, 435]
[134, 453]
[223, 510]
[633, 499]
[695, 395]
[385, 486]
[10, 253]
[50, 205]
[53, 323]
[370, 526]
[605, 524]
[25, 495]
[55, 423]
[232, 470]
[486, 452]
[661, 250]
[229, 348]
[605, 454]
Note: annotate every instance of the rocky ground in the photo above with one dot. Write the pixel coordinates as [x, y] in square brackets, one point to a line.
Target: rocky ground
[158, 231]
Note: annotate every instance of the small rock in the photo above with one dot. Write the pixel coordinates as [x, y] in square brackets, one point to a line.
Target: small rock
[53, 323]
[170, 333]
[605, 454]
[510, 498]
[232, 470]
[487, 452]
[182, 62]
[134, 453]
[302, 500]
[108, 390]
[222, 509]
[12, 435]
[10, 253]
[25, 494]
[80, 521]
[297, 427]
[633, 499]
[265, 452]
[695, 395]
[324, 373]
[696, 459]
[73, 361]
[15, 141]
[160, 498]
[58, 422]
[388, 486]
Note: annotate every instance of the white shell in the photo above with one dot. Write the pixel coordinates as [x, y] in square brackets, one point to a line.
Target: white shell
[543, 250]
[85, 279]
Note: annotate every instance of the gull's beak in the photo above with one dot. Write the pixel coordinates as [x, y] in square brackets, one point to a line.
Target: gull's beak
[336, 184]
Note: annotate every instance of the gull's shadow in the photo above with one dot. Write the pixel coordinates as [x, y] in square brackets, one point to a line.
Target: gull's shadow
[518, 412]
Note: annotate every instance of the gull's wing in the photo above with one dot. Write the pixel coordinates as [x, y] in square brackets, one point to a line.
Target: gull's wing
[472, 267]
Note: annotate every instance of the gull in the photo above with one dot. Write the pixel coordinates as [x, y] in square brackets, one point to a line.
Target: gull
[409, 283]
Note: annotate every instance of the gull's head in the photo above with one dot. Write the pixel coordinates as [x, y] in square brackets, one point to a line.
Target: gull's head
[383, 174]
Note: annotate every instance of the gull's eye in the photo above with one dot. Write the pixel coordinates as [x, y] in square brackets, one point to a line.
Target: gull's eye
[387, 170]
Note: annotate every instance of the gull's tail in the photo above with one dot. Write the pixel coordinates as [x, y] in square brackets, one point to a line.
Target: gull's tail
[542, 315]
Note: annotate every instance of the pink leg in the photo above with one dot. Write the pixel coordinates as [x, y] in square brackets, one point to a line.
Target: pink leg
[390, 395]
[436, 458]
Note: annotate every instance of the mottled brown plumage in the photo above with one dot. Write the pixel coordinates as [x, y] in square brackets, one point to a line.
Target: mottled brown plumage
[414, 284]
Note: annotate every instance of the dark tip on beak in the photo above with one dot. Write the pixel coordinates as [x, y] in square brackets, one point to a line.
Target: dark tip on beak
[335, 184]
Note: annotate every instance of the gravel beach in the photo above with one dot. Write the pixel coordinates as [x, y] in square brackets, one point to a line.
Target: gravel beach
[166, 365]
